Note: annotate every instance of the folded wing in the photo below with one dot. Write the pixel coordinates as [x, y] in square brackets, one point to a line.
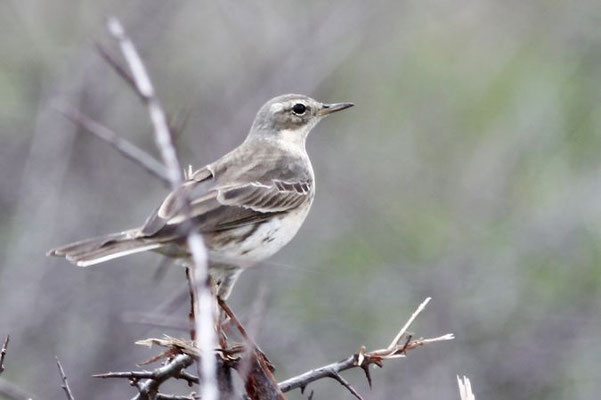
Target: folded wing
[227, 207]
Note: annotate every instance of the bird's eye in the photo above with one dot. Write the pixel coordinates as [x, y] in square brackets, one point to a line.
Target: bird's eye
[299, 109]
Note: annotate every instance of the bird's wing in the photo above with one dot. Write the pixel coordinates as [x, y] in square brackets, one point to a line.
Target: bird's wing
[216, 208]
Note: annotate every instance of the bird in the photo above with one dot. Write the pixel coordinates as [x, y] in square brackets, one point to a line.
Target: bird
[247, 205]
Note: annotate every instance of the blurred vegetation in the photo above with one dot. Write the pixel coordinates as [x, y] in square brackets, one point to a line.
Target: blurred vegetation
[469, 172]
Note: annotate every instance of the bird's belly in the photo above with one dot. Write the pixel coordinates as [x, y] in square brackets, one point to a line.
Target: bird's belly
[253, 243]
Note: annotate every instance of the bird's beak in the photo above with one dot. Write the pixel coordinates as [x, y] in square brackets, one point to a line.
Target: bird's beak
[331, 108]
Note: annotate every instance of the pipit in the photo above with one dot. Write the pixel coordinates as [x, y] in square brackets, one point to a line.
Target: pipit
[247, 205]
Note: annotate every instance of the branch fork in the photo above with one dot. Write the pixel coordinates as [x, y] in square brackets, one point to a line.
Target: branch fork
[397, 348]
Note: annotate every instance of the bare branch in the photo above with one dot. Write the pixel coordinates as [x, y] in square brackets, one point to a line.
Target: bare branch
[146, 91]
[117, 67]
[126, 375]
[364, 359]
[65, 384]
[126, 148]
[301, 381]
[176, 125]
[193, 307]
[205, 320]
[161, 396]
[3, 353]
[399, 335]
[139, 375]
[346, 384]
[172, 370]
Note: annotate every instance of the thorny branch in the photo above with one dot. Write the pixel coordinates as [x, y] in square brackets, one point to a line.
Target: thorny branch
[179, 355]
[259, 381]
[148, 382]
[139, 375]
[150, 387]
[363, 359]
[65, 384]
[249, 361]
[204, 315]
[3, 353]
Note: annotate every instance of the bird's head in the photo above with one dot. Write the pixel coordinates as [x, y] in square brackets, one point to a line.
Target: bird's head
[291, 116]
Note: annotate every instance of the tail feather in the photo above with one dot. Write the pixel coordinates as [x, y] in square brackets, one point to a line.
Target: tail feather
[103, 248]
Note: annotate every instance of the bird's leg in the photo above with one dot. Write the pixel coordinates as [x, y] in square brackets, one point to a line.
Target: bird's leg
[225, 278]
[214, 285]
[222, 326]
[249, 341]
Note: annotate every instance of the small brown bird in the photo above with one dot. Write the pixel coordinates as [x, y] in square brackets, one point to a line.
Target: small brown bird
[247, 205]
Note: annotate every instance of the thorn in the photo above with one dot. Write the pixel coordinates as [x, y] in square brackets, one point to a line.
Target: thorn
[3, 352]
[365, 369]
[346, 384]
[404, 348]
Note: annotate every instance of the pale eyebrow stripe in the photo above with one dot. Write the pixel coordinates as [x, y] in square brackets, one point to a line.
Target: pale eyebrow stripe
[275, 107]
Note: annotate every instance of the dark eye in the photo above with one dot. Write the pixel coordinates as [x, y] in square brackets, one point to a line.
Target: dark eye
[299, 109]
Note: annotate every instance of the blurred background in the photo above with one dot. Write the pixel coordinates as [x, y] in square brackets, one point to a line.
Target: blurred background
[468, 171]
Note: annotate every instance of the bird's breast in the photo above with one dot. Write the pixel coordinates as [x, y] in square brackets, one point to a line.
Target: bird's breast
[250, 244]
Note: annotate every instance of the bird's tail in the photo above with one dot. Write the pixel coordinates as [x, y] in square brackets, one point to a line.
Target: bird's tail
[103, 248]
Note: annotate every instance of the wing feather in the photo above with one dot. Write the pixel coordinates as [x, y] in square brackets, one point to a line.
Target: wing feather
[278, 196]
[222, 208]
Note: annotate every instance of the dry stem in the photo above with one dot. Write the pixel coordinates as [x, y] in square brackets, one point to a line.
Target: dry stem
[362, 359]
[126, 148]
[65, 384]
[3, 353]
[204, 315]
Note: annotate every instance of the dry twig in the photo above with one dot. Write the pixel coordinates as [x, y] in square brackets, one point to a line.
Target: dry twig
[65, 384]
[118, 68]
[126, 148]
[139, 375]
[3, 353]
[193, 308]
[161, 396]
[149, 388]
[363, 359]
[179, 355]
[205, 319]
